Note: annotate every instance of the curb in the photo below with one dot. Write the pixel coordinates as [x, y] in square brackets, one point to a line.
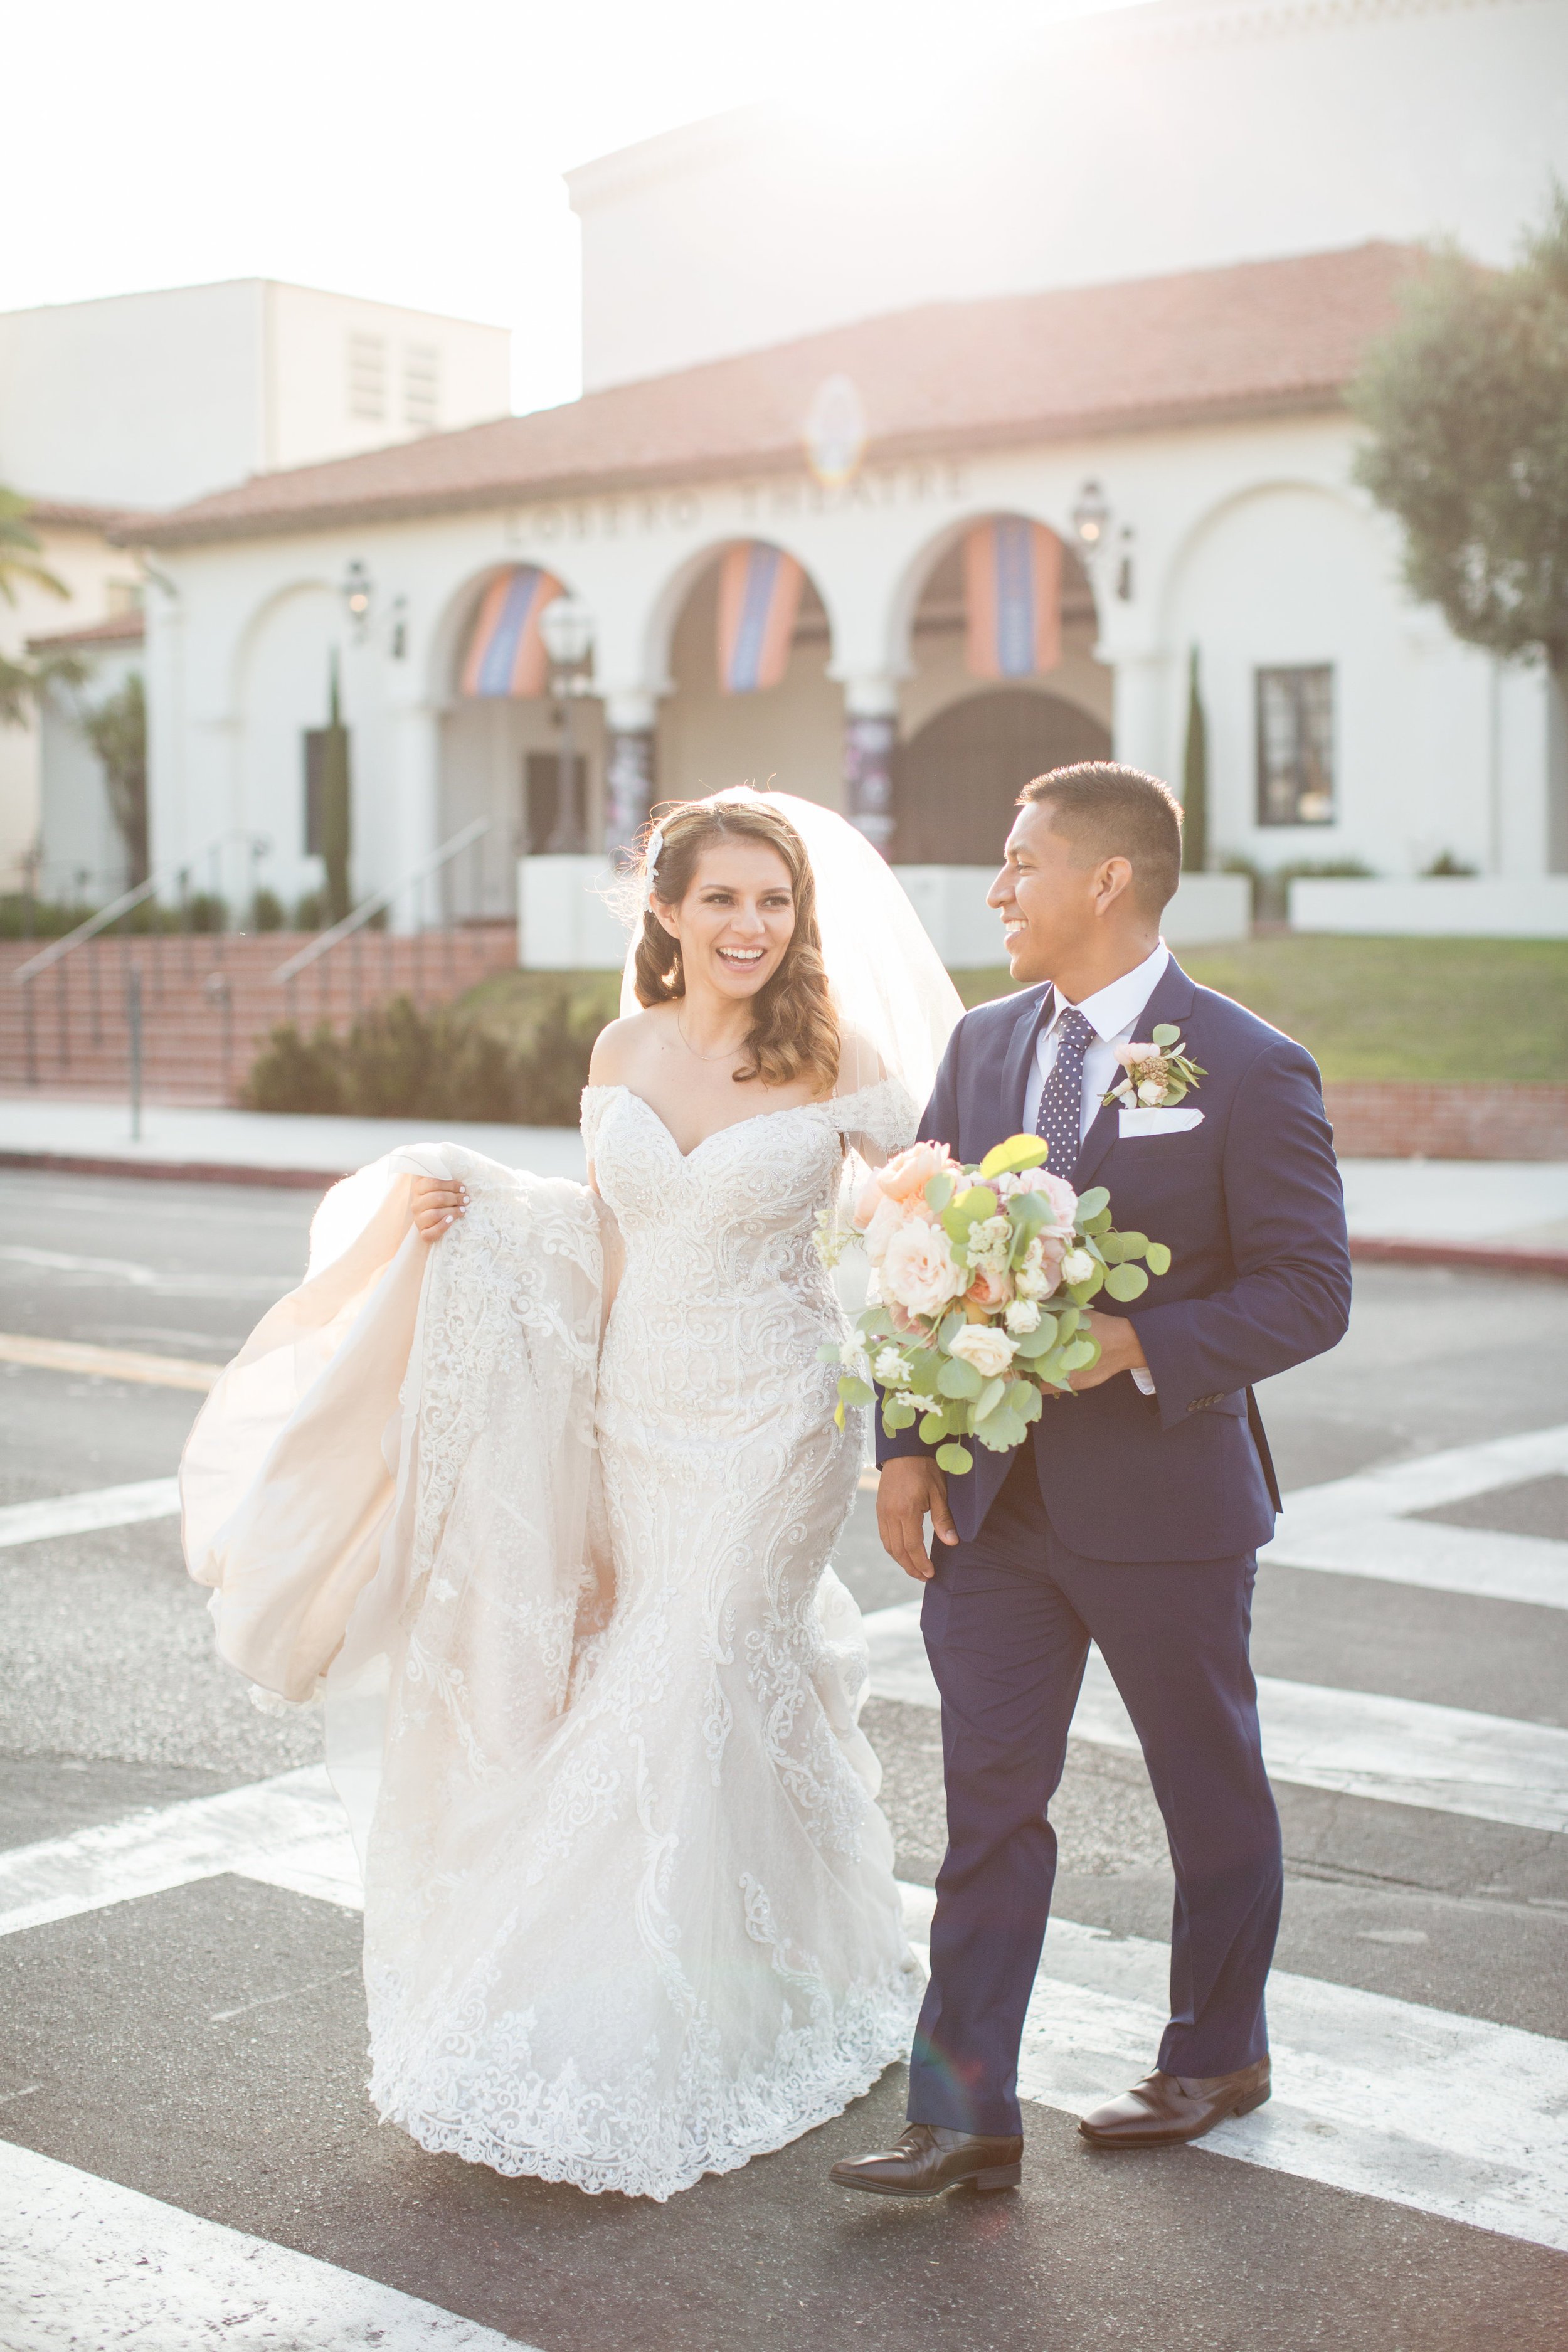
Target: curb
[1472, 1256]
[1369, 1250]
[177, 1171]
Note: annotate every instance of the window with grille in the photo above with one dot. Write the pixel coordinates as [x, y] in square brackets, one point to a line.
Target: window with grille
[421, 386]
[1296, 746]
[367, 376]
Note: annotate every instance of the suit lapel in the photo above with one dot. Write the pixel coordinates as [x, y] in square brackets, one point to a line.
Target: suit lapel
[1172, 1000]
[1015, 1066]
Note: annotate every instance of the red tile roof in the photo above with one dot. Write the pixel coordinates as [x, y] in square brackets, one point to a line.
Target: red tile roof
[119, 629]
[74, 514]
[1259, 338]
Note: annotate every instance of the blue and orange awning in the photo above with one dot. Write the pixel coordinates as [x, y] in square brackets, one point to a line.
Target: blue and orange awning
[506, 658]
[1013, 593]
[759, 597]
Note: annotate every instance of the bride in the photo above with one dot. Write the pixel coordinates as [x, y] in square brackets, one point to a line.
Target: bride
[545, 1514]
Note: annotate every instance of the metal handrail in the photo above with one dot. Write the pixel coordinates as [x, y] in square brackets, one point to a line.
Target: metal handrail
[357, 917]
[122, 906]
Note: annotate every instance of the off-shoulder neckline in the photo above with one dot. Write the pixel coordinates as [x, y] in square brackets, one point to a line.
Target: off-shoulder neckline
[828, 1102]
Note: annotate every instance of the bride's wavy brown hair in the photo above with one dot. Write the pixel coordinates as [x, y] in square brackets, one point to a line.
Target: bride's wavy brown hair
[794, 1032]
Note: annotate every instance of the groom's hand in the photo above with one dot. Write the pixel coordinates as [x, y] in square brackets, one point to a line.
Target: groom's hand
[910, 1486]
[1120, 1348]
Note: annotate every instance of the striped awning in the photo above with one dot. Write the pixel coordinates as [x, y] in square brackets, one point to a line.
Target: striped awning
[1013, 593]
[506, 659]
[759, 597]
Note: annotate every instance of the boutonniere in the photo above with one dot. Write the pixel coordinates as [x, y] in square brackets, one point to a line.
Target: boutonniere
[1158, 1074]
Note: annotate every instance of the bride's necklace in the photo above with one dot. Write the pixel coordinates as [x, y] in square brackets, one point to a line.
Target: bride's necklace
[696, 1057]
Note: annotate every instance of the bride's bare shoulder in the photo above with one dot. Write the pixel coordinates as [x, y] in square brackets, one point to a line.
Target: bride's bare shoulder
[619, 1049]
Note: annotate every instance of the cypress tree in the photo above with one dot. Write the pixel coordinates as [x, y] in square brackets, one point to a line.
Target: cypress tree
[1195, 778]
[335, 841]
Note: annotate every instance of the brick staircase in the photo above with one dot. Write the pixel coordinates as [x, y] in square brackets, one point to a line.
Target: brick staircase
[196, 1050]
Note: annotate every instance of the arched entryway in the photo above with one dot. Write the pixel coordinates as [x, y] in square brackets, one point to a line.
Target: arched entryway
[958, 778]
[1004, 682]
[752, 699]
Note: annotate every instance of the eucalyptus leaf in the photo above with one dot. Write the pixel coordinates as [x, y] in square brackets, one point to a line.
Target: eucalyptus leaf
[950, 1329]
[1165, 1034]
[1079, 1352]
[1095, 1225]
[957, 1379]
[1158, 1259]
[986, 1401]
[1128, 1245]
[938, 1192]
[954, 1459]
[1011, 1158]
[933, 1426]
[853, 1392]
[897, 1417]
[1126, 1282]
[1090, 1203]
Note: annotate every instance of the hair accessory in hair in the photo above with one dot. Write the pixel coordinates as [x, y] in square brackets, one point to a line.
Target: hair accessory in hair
[651, 857]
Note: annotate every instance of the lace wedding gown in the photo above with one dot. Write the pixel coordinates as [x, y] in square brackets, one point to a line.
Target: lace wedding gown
[630, 1910]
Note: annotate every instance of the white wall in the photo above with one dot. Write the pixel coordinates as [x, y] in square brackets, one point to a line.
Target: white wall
[150, 399]
[84, 852]
[87, 566]
[1167, 137]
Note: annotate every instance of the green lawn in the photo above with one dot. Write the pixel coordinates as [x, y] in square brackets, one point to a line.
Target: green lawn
[1455, 1010]
[1433, 1009]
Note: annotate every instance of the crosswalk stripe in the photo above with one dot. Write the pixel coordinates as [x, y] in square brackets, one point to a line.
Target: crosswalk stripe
[103, 1506]
[1418, 2107]
[1359, 1526]
[107, 1363]
[1386, 2099]
[84, 2261]
[1398, 1751]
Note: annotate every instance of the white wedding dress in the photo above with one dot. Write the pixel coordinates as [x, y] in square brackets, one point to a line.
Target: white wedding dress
[630, 1912]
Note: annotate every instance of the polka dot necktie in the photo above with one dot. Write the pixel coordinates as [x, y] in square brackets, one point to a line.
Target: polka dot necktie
[1060, 1116]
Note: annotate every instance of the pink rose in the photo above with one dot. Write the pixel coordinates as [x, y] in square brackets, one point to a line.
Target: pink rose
[918, 1270]
[1056, 1190]
[906, 1178]
[890, 1217]
[870, 1199]
[1129, 1055]
[988, 1290]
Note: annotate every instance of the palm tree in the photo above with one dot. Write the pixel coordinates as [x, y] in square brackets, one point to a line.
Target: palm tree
[20, 548]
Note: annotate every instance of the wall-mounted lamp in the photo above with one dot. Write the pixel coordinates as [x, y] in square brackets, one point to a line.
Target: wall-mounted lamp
[1092, 517]
[356, 595]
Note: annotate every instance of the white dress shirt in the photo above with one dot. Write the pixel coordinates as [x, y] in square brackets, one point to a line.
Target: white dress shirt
[1113, 1014]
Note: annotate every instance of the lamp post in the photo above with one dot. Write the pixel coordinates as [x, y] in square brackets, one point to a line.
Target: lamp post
[357, 594]
[566, 626]
[1092, 518]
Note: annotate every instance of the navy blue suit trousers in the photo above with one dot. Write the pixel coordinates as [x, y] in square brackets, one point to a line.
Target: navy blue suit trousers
[1008, 1619]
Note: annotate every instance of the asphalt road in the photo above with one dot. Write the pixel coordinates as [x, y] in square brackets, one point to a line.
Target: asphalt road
[204, 2044]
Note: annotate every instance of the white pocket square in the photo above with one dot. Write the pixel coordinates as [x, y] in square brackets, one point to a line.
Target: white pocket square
[1157, 1122]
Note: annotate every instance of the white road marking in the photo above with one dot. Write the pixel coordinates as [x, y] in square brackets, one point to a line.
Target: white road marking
[84, 2262]
[103, 1506]
[288, 1831]
[1413, 2104]
[1418, 2107]
[1358, 1527]
[107, 1363]
[149, 1278]
[1398, 1751]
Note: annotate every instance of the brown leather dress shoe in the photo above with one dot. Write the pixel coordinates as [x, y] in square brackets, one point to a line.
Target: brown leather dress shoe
[1164, 2108]
[929, 2158]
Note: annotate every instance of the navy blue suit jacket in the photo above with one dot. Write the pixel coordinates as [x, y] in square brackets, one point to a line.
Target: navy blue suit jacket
[1250, 1205]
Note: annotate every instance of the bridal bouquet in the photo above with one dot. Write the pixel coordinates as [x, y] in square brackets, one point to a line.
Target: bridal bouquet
[983, 1273]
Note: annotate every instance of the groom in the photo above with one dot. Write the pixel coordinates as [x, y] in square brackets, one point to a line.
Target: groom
[1133, 1517]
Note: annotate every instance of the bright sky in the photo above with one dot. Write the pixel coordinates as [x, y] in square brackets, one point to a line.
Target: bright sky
[409, 152]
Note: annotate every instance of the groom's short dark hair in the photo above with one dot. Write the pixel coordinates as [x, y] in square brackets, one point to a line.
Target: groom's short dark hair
[1106, 811]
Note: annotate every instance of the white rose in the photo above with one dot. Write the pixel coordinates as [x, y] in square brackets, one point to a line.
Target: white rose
[917, 1268]
[1022, 1316]
[986, 1349]
[1077, 1266]
[1152, 1091]
[890, 1217]
[890, 1367]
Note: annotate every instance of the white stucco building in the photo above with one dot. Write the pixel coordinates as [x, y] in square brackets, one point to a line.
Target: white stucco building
[143, 399]
[1131, 323]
